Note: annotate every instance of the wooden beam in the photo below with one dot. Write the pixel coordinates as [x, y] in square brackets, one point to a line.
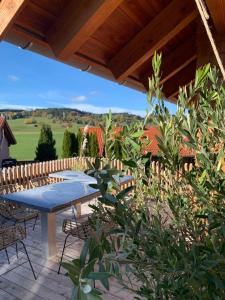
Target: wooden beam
[78, 21]
[217, 12]
[77, 60]
[174, 61]
[184, 77]
[165, 26]
[9, 9]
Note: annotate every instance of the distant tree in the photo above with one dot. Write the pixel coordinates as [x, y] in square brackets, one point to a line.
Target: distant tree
[87, 150]
[117, 149]
[79, 141]
[46, 145]
[75, 146]
[93, 145]
[67, 150]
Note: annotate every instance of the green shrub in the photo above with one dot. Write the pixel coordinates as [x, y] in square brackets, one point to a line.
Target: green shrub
[93, 145]
[67, 144]
[30, 121]
[172, 244]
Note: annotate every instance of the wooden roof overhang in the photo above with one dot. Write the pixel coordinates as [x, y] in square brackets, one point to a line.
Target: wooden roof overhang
[114, 39]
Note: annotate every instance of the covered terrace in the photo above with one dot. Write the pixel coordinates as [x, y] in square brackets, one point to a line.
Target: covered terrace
[114, 39]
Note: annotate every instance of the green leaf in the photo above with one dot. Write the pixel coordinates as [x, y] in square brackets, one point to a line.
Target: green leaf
[124, 192]
[94, 186]
[98, 275]
[84, 253]
[104, 281]
[137, 134]
[88, 268]
[130, 163]
[71, 268]
[110, 198]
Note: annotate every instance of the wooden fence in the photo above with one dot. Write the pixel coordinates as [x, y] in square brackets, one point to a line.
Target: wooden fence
[23, 174]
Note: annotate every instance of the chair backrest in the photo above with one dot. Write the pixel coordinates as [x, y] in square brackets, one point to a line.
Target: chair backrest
[9, 235]
[40, 181]
[10, 188]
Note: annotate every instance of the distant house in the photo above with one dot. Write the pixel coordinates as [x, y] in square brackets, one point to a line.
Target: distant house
[6, 139]
[151, 133]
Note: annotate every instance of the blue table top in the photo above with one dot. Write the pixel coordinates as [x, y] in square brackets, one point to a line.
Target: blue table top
[74, 175]
[82, 177]
[53, 197]
[57, 196]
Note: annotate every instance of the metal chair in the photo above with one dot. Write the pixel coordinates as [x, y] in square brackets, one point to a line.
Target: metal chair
[10, 236]
[15, 212]
[40, 181]
[80, 229]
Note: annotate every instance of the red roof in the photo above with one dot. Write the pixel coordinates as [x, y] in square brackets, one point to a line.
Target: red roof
[153, 147]
[7, 131]
[151, 133]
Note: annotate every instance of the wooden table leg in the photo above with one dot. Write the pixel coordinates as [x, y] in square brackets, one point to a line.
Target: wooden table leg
[48, 234]
[78, 209]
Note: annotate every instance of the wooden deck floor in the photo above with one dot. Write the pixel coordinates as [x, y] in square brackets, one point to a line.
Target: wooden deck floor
[16, 279]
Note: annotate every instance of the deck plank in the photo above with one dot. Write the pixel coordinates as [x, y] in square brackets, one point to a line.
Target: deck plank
[16, 279]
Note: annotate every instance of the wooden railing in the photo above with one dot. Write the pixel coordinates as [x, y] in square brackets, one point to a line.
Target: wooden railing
[23, 174]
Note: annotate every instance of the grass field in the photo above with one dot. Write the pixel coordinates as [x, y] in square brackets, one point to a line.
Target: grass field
[27, 137]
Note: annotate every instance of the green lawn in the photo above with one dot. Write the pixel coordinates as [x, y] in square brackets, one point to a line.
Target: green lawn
[27, 137]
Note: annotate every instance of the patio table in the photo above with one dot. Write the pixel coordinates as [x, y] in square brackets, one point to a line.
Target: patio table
[80, 176]
[84, 178]
[50, 199]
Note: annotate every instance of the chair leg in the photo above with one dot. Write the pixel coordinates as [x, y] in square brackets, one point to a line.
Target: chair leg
[28, 259]
[6, 252]
[64, 246]
[25, 226]
[17, 251]
[35, 221]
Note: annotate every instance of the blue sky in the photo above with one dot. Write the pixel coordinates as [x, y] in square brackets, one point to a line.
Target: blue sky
[29, 80]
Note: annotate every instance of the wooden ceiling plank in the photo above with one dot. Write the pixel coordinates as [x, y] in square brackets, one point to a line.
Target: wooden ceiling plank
[217, 12]
[184, 77]
[77, 23]
[174, 61]
[165, 26]
[9, 10]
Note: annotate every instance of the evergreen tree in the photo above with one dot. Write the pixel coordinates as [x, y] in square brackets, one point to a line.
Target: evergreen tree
[79, 141]
[87, 151]
[117, 149]
[45, 149]
[74, 143]
[67, 144]
[94, 151]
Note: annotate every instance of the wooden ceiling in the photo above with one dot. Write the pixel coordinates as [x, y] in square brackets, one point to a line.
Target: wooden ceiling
[112, 38]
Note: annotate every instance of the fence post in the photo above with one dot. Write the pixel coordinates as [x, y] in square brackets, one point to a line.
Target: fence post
[10, 175]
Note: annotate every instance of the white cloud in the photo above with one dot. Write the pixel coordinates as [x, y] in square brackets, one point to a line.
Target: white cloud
[58, 96]
[53, 95]
[80, 98]
[13, 77]
[17, 106]
[101, 110]
[92, 93]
